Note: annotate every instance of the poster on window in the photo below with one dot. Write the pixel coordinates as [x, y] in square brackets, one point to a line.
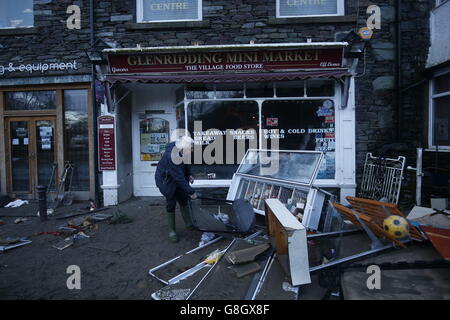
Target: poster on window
[302, 125]
[46, 143]
[154, 137]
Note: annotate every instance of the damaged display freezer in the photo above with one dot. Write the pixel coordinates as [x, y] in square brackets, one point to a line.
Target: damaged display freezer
[285, 175]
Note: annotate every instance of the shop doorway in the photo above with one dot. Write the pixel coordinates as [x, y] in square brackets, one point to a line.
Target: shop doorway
[154, 134]
[31, 153]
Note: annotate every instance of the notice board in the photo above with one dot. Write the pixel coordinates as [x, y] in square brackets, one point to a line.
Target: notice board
[106, 143]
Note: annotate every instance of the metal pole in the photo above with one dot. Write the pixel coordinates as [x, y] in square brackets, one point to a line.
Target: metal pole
[419, 175]
[94, 105]
[42, 197]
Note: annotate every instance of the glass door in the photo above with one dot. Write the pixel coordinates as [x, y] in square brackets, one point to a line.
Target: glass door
[32, 154]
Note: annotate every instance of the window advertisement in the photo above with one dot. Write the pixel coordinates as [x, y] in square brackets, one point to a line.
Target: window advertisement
[295, 8]
[154, 136]
[170, 10]
[222, 131]
[303, 125]
[16, 14]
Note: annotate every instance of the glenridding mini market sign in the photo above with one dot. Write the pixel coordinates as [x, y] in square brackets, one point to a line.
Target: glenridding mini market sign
[264, 60]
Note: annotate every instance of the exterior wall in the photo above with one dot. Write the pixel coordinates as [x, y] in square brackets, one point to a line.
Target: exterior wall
[440, 36]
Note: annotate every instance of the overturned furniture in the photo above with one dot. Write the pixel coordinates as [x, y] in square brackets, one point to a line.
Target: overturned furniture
[288, 236]
[228, 217]
[284, 175]
[382, 178]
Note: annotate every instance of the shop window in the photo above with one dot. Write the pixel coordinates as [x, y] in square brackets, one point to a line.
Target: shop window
[180, 116]
[235, 122]
[439, 128]
[259, 90]
[30, 100]
[229, 91]
[320, 88]
[154, 136]
[302, 125]
[200, 91]
[168, 10]
[290, 89]
[76, 135]
[309, 8]
[16, 14]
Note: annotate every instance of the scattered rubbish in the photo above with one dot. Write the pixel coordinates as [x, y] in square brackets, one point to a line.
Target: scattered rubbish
[63, 244]
[11, 243]
[110, 246]
[206, 237]
[213, 257]
[288, 287]
[291, 241]
[171, 294]
[440, 238]
[53, 233]
[68, 196]
[17, 203]
[92, 206]
[185, 261]
[120, 218]
[245, 269]
[382, 178]
[80, 236]
[418, 212]
[81, 213]
[20, 220]
[49, 212]
[439, 203]
[100, 217]
[246, 255]
[59, 197]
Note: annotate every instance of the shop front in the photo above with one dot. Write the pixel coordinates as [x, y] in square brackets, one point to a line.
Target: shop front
[45, 127]
[229, 99]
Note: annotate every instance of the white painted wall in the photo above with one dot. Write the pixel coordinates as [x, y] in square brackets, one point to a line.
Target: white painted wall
[440, 35]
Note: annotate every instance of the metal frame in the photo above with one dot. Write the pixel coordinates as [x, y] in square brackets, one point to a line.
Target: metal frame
[186, 273]
[382, 177]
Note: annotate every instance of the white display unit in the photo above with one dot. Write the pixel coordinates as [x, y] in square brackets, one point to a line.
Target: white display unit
[285, 175]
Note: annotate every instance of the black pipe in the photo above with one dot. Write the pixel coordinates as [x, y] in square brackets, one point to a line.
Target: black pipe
[398, 75]
[94, 106]
[42, 198]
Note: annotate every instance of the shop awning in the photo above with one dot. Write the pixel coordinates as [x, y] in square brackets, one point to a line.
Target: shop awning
[227, 77]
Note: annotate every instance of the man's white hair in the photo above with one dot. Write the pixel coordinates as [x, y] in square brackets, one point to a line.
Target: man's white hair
[184, 142]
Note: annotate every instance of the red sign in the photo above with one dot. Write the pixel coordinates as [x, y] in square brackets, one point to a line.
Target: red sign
[264, 60]
[106, 144]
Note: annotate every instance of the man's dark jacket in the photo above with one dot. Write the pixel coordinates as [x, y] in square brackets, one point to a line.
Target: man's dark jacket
[170, 176]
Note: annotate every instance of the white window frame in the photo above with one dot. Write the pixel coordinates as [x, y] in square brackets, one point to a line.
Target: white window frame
[140, 14]
[432, 96]
[340, 11]
[23, 27]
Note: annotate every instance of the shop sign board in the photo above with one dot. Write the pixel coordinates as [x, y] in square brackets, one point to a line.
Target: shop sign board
[106, 143]
[230, 61]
